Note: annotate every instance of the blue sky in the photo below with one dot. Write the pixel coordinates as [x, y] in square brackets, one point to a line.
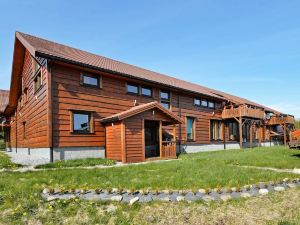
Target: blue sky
[246, 48]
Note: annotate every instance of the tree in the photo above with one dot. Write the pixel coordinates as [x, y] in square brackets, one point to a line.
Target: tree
[297, 123]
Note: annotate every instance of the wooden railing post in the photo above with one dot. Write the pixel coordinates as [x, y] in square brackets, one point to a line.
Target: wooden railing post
[241, 129]
[160, 138]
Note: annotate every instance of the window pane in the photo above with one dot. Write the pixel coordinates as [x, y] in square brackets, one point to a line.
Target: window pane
[90, 80]
[146, 91]
[165, 104]
[81, 122]
[211, 105]
[164, 95]
[204, 103]
[190, 122]
[197, 102]
[131, 88]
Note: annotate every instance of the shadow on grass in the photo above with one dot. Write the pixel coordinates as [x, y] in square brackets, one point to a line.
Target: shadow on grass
[296, 155]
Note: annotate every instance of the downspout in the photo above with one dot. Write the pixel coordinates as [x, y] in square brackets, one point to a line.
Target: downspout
[16, 130]
[50, 111]
[180, 126]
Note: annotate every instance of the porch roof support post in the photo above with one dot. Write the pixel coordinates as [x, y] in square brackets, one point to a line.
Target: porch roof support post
[251, 135]
[175, 141]
[160, 139]
[241, 128]
[284, 133]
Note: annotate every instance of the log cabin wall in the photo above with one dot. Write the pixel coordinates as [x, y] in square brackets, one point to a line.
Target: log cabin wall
[134, 134]
[111, 98]
[114, 140]
[29, 124]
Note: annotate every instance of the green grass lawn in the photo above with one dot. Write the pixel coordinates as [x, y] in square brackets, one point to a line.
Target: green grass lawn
[2, 145]
[277, 157]
[5, 162]
[77, 163]
[20, 200]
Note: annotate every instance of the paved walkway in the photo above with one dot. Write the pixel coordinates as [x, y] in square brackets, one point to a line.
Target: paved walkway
[118, 164]
[295, 171]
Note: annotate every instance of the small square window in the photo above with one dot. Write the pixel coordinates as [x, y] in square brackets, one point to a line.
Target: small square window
[197, 102]
[132, 88]
[211, 105]
[165, 104]
[204, 103]
[37, 81]
[146, 91]
[165, 95]
[81, 122]
[89, 80]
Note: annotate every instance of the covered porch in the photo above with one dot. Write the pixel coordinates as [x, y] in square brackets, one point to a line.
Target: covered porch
[144, 132]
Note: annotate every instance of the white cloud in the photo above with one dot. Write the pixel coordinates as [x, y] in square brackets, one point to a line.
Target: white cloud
[288, 108]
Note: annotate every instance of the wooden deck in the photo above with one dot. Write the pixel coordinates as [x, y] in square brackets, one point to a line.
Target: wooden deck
[168, 149]
[243, 111]
[277, 120]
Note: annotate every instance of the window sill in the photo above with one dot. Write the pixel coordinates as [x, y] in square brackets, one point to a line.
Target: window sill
[81, 133]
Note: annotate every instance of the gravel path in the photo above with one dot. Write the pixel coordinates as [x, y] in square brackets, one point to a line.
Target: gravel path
[295, 170]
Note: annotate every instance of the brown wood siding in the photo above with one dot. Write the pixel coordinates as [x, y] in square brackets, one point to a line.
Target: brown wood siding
[34, 112]
[134, 141]
[114, 141]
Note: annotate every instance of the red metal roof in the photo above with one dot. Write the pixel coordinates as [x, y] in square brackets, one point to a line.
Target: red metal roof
[39, 46]
[139, 109]
[4, 95]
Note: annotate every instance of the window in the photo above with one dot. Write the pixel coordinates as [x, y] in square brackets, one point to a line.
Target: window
[211, 105]
[233, 131]
[36, 66]
[204, 103]
[90, 80]
[25, 95]
[190, 128]
[218, 105]
[246, 132]
[132, 88]
[82, 122]
[165, 99]
[146, 91]
[24, 130]
[197, 102]
[216, 131]
[38, 81]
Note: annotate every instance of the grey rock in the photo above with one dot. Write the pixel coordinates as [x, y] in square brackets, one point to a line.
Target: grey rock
[180, 198]
[291, 185]
[134, 200]
[279, 188]
[263, 191]
[245, 195]
[146, 198]
[207, 198]
[225, 197]
[117, 198]
[46, 191]
[165, 199]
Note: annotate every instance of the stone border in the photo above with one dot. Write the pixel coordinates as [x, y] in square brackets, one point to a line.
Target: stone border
[206, 195]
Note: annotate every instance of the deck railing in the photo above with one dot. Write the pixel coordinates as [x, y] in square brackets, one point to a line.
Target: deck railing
[277, 120]
[244, 111]
[168, 149]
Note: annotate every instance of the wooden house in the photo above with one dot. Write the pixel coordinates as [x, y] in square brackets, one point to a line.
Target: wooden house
[66, 103]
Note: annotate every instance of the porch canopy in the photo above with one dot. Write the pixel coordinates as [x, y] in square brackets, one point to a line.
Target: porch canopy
[125, 132]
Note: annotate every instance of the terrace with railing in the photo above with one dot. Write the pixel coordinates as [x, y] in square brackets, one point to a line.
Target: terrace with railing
[277, 120]
[243, 111]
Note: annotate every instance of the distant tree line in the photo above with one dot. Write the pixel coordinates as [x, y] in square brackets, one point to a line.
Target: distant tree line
[297, 124]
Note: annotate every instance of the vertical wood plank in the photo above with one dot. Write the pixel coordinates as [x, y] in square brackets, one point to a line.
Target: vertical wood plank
[160, 138]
